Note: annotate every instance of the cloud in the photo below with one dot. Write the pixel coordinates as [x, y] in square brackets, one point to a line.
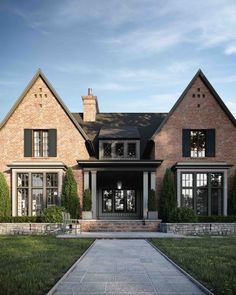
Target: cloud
[231, 104]
[231, 49]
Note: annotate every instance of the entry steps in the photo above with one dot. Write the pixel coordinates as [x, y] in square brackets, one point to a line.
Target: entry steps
[123, 225]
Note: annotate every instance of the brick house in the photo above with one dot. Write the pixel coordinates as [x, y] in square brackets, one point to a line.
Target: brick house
[119, 156]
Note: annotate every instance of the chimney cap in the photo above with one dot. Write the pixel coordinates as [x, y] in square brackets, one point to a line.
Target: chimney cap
[90, 91]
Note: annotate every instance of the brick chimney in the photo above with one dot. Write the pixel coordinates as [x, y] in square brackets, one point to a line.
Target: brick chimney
[90, 107]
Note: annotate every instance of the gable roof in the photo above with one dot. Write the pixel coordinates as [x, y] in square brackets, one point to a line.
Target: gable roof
[38, 74]
[200, 75]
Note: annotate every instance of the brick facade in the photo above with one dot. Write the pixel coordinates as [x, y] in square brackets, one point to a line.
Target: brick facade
[202, 112]
[39, 109]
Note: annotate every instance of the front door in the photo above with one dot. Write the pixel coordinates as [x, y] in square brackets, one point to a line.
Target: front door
[118, 201]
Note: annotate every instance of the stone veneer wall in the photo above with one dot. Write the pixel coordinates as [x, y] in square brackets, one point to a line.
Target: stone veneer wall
[199, 228]
[30, 228]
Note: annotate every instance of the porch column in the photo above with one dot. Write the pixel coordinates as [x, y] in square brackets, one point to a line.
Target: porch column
[145, 194]
[178, 188]
[225, 209]
[153, 181]
[86, 180]
[94, 194]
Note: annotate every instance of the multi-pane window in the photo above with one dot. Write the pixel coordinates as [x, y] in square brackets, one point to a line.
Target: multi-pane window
[119, 150]
[40, 140]
[52, 188]
[198, 143]
[36, 191]
[107, 150]
[202, 192]
[131, 150]
[22, 194]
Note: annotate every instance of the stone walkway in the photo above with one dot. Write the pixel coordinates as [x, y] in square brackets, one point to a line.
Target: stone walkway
[124, 267]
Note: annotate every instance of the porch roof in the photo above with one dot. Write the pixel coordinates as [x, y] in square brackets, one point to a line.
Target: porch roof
[117, 164]
[201, 165]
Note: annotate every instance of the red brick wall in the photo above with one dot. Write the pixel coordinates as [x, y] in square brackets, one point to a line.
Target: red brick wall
[42, 112]
[168, 142]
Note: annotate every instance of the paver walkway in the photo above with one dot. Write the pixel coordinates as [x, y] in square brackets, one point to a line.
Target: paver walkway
[125, 267]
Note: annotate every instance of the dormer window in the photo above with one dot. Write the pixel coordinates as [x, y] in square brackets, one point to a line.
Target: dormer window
[119, 149]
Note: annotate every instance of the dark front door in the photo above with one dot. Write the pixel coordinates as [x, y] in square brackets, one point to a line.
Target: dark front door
[119, 201]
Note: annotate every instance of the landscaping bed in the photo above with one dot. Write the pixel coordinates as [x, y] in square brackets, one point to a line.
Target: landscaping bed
[33, 264]
[211, 260]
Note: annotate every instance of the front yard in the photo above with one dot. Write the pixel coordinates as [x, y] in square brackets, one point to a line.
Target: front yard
[33, 264]
[211, 260]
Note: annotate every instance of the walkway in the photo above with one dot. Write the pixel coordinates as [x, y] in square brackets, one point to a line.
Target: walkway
[125, 267]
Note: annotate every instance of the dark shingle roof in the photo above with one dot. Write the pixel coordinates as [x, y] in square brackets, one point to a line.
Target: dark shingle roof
[121, 132]
[145, 123]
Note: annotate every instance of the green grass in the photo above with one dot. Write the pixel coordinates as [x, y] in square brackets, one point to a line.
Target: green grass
[33, 264]
[212, 261]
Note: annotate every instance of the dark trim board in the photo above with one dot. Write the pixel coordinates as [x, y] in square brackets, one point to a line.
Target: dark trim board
[201, 165]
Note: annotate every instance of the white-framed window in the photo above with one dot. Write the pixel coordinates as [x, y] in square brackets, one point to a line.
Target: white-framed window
[119, 149]
[198, 143]
[40, 143]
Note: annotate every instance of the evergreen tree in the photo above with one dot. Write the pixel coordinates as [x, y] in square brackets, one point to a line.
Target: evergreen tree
[87, 201]
[70, 199]
[232, 203]
[5, 206]
[168, 196]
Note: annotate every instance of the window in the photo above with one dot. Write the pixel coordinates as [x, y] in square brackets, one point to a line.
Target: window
[198, 143]
[202, 192]
[40, 143]
[125, 149]
[36, 191]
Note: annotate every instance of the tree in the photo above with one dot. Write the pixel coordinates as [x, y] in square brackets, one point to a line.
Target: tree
[87, 201]
[70, 199]
[168, 196]
[5, 206]
[232, 203]
[152, 202]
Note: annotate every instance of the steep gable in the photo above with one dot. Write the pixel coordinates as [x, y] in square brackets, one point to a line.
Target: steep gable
[198, 92]
[41, 79]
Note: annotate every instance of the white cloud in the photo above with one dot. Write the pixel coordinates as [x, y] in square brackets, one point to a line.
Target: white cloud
[231, 49]
[231, 104]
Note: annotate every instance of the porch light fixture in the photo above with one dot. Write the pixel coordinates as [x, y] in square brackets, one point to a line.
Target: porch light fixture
[119, 184]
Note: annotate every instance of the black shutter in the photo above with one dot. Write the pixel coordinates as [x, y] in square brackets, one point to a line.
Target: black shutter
[186, 142]
[52, 142]
[28, 142]
[210, 142]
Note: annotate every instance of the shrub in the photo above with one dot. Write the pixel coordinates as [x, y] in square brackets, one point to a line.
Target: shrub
[20, 219]
[182, 215]
[53, 214]
[5, 206]
[216, 218]
[87, 201]
[232, 199]
[168, 196]
[152, 202]
[70, 198]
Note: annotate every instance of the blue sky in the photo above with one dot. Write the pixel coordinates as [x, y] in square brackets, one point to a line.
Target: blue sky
[137, 55]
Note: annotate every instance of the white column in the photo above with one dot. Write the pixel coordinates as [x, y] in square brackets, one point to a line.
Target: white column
[153, 181]
[94, 194]
[145, 194]
[178, 188]
[86, 180]
[225, 201]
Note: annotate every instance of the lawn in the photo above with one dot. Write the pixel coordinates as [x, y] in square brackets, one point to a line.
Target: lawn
[210, 260]
[33, 264]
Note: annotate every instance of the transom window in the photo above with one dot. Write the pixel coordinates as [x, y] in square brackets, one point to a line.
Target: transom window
[119, 149]
[36, 191]
[202, 192]
[40, 143]
[198, 143]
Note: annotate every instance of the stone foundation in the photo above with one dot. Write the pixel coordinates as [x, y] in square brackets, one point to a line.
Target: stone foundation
[199, 228]
[30, 228]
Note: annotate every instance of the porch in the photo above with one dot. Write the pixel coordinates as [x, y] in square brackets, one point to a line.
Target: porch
[119, 188]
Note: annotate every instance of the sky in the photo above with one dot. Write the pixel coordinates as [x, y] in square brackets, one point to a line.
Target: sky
[136, 55]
